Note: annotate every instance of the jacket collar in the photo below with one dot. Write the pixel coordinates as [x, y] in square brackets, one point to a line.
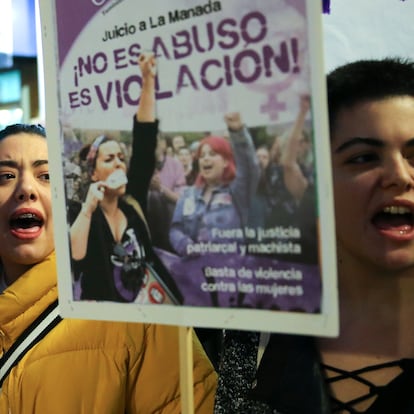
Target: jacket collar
[25, 299]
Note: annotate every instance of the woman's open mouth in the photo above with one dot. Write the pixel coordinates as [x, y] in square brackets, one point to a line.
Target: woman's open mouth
[206, 168]
[26, 224]
[395, 221]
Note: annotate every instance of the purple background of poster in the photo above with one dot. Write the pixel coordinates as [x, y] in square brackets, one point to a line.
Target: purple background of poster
[72, 16]
[188, 273]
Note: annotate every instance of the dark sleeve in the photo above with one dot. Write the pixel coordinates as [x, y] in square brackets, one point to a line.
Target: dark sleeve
[142, 164]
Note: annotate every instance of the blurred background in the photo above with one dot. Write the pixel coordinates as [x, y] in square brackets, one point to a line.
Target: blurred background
[20, 82]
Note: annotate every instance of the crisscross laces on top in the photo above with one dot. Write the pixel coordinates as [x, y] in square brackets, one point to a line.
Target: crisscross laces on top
[372, 397]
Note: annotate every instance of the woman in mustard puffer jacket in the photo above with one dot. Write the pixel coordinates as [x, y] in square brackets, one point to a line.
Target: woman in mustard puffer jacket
[90, 366]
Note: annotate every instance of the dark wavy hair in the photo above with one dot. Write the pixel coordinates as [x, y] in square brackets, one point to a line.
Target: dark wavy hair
[14, 129]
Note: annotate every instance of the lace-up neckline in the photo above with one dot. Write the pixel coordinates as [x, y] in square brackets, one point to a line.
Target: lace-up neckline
[388, 392]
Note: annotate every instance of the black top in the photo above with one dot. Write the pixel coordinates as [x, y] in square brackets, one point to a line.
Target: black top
[291, 380]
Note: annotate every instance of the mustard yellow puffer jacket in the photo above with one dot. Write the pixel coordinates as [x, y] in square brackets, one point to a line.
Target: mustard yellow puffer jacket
[88, 367]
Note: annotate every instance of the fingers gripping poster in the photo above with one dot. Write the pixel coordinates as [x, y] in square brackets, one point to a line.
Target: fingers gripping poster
[190, 159]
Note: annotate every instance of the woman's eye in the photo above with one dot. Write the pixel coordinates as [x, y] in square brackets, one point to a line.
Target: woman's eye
[4, 177]
[362, 158]
[410, 157]
[45, 177]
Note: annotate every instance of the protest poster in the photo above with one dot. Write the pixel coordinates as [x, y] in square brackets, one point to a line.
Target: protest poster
[241, 214]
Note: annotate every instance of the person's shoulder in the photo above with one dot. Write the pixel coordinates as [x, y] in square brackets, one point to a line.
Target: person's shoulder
[136, 337]
[105, 334]
[102, 329]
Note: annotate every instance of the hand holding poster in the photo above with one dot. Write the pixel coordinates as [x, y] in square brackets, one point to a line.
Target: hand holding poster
[232, 182]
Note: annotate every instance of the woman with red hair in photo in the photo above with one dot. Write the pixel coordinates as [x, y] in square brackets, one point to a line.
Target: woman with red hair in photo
[215, 209]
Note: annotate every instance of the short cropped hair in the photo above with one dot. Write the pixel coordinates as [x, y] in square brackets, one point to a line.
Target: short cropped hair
[23, 128]
[367, 80]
